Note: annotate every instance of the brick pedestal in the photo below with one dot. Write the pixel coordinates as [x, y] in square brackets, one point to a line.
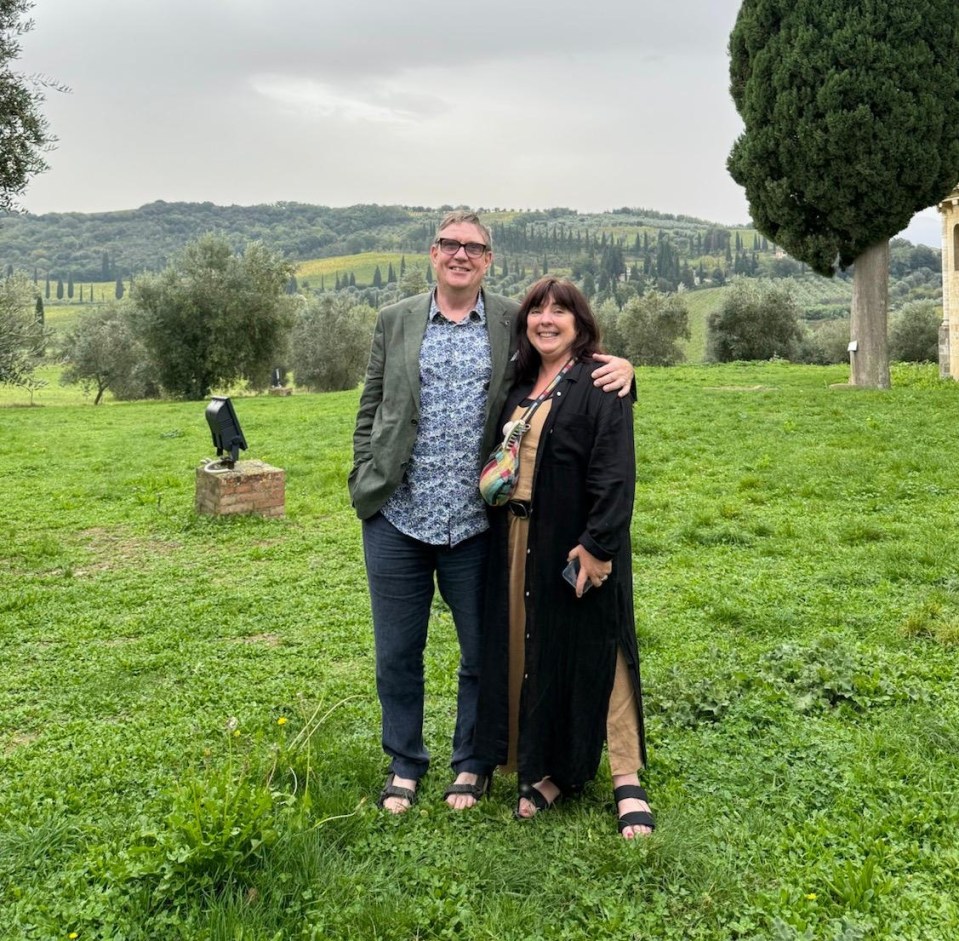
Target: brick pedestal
[281, 390]
[249, 487]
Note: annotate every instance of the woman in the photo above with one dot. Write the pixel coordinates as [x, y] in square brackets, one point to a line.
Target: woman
[560, 661]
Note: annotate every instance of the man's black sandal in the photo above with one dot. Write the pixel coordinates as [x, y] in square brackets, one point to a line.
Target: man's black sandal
[477, 791]
[633, 818]
[392, 790]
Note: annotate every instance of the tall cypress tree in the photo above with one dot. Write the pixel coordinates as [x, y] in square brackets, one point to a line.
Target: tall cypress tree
[851, 117]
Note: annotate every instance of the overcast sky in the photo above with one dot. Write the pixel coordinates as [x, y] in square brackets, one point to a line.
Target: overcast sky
[591, 105]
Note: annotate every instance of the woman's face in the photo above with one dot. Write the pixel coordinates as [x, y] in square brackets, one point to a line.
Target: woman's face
[552, 330]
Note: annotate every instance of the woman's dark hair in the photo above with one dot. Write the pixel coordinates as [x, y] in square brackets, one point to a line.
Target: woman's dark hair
[567, 295]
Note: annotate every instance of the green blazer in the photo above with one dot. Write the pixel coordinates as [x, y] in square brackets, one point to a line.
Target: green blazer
[389, 412]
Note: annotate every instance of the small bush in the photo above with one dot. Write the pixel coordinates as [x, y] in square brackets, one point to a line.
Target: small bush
[914, 333]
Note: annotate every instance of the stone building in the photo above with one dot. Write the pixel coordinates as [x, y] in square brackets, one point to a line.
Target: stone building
[949, 328]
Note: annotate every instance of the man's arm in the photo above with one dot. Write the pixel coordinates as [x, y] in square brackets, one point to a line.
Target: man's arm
[616, 376]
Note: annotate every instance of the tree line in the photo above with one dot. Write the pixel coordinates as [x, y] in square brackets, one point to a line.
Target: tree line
[102, 247]
[216, 317]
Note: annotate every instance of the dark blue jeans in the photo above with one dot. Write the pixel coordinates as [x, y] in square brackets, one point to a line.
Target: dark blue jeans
[400, 571]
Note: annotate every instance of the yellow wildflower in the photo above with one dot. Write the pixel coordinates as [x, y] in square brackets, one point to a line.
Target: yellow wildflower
[281, 720]
[811, 896]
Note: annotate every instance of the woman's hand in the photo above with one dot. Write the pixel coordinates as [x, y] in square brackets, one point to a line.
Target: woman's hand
[589, 567]
[615, 376]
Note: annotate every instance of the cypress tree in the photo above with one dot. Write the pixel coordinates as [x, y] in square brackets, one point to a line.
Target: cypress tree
[70, 286]
[851, 126]
[59, 289]
[118, 289]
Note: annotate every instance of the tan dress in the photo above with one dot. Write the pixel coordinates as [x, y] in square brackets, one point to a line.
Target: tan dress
[622, 721]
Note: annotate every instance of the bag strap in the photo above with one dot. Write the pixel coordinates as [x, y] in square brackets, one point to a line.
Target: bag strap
[548, 391]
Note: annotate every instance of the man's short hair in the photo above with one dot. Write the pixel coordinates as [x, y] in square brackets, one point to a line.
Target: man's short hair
[464, 215]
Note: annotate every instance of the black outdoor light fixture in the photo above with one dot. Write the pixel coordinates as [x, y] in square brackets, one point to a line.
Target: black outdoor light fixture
[225, 428]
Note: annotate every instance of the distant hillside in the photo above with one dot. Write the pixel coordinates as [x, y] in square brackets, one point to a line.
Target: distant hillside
[104, 246]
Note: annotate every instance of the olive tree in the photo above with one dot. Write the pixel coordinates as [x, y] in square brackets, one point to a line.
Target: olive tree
[24, 133]
[214, 316]
[22, 335]
[102, 352]
[757, 320]
[330, 343]
[851, 125]
[651, 327]
[914, 333]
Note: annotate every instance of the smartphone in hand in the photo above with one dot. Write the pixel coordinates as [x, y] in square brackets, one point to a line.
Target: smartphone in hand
[571, 573]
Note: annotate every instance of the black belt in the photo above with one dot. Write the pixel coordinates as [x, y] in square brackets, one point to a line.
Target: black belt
[521, 508]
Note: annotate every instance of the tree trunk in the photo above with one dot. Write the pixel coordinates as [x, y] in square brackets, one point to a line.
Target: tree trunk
[869, 360]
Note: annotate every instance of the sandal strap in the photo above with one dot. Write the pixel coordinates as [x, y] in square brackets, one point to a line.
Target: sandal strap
[477, 790]
[637, 818]
[537, 797]
[393, 790]
[636, 791]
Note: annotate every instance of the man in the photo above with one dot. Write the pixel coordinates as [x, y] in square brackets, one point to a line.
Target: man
[439, 370]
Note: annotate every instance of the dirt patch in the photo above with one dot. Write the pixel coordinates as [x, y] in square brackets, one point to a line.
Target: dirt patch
[271, 640]
[740, 389]
[18, 740]
[113, 549]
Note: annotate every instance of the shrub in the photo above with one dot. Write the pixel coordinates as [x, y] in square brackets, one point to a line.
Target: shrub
[331, 343]
[757, 321]
[914, 333]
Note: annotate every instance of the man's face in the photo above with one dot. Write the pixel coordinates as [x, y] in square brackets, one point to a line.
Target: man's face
[459, 272]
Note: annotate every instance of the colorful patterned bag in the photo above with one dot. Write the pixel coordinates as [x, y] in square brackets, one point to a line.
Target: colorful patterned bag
[500, 473]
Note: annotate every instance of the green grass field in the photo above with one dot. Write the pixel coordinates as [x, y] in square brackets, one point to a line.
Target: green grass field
[700, 305]
[362, 266]
[189, 741]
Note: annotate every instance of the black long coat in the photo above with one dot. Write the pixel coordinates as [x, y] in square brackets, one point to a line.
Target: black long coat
[582, 493]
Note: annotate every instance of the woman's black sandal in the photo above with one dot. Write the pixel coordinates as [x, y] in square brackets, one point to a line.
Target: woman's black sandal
[537, 798]
[478, 790]
[392, 790]
[633, 818]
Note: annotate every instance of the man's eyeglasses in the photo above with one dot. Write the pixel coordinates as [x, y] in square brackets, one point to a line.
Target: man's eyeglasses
[451, 247]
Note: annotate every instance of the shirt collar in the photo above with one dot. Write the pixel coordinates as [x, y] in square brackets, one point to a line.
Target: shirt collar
[477, 314]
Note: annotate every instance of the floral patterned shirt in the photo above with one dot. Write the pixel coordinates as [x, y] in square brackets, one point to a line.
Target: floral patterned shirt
[438, 501]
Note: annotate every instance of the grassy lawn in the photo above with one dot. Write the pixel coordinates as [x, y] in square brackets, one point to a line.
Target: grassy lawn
[189, 740]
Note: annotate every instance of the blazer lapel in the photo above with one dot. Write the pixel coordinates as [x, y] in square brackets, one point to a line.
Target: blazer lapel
[414, 324]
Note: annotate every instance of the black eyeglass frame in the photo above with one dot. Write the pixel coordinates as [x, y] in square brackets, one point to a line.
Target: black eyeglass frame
[469, 247]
